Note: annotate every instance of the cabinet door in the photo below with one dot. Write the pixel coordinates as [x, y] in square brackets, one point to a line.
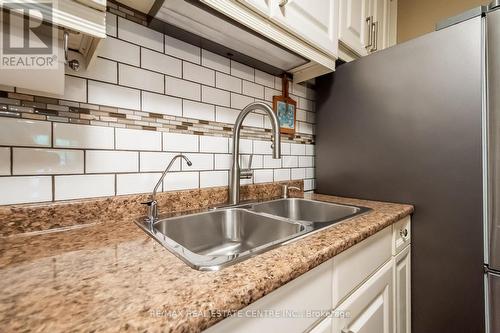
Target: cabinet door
[354, 24]
[370, 308]
[313, 21]
[325, 326]
[403, 291]
[263, 7]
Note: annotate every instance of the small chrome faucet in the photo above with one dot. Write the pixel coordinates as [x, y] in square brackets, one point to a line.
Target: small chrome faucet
[152, 203]
[234, 181]
[285, 190]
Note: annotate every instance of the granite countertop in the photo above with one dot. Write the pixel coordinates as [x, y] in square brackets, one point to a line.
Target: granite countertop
[112, 277]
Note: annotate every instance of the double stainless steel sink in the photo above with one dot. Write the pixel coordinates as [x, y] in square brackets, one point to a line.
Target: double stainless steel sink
[213, 239]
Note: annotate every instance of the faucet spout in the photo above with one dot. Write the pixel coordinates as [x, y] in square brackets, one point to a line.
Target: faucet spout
[234, 185]
[152, 204]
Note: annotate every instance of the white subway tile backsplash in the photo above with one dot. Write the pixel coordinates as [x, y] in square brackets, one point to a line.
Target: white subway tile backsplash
[309, 184]
[180, 142]
[182, 50]
[132, 183]
[264, 78]
[199, 162]
[257, 161]
[281, 175]
[242, 71]
[75, 89]
[198, 74]
[139, 78]
[269, 93]
[253, 89]
[270, 162]
[105, 161]
[310, 149]
[215, 61]
[139, 34]
[226, 115]
[83, 136]
[118, 50]
[111, 24]
[227, 82]
[41, 161]
[160, 62]
[215, 96]
[285, 148]
[101, 70]
[83, 186]
[290, 161]
[157, 161]
[306, 161]
[131, 139]
[223, 161]
[4, 161]
[182, 88]
[111, 95]
[176, 181]
[240, 101]
[213, 144]
[198, 110]
[158, 103]
[297, 149]
[305, 128]
[246, 146]
[21, 132]
[17, 190]
[213, 178]
[262, 147]
[299, 173]
[298, 89]
[139, 69]
[263, 176]
[309, 172]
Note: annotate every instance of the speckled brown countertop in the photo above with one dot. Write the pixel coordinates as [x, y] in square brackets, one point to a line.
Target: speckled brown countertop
[112, 277]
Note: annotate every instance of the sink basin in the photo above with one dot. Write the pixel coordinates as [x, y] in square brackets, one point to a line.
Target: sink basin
[307, 210]
[210, 240]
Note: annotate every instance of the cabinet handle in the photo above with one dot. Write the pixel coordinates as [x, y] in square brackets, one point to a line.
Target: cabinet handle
[283, 3]
[403, 233]
[375, 36]
[346, 330]
[369, 22]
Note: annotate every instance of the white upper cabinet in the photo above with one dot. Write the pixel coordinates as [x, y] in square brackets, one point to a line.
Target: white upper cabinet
[367, 26]
[315, 22]
[355, 25]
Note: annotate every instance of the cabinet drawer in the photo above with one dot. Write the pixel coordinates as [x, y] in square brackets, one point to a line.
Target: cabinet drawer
[355, 265]
[401, 235]
[311, 291]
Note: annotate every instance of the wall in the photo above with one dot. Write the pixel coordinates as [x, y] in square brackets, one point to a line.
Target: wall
[147, 98]
[418, 17]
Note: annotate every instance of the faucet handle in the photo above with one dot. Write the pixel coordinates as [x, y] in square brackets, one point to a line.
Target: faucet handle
[152, 206]
[247, 173]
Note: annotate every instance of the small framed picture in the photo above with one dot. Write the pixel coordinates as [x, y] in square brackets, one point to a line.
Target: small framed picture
[286, 116]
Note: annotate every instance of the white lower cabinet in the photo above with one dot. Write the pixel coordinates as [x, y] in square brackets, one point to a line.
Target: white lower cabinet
[370, 308]
[365, 289]
[324, 326]
[402, 294]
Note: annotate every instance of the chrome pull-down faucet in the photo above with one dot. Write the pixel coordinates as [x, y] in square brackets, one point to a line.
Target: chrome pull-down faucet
[152, 203]
[234, 181]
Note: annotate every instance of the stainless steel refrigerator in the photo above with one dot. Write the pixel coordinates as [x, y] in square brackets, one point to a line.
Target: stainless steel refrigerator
[420, 123]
